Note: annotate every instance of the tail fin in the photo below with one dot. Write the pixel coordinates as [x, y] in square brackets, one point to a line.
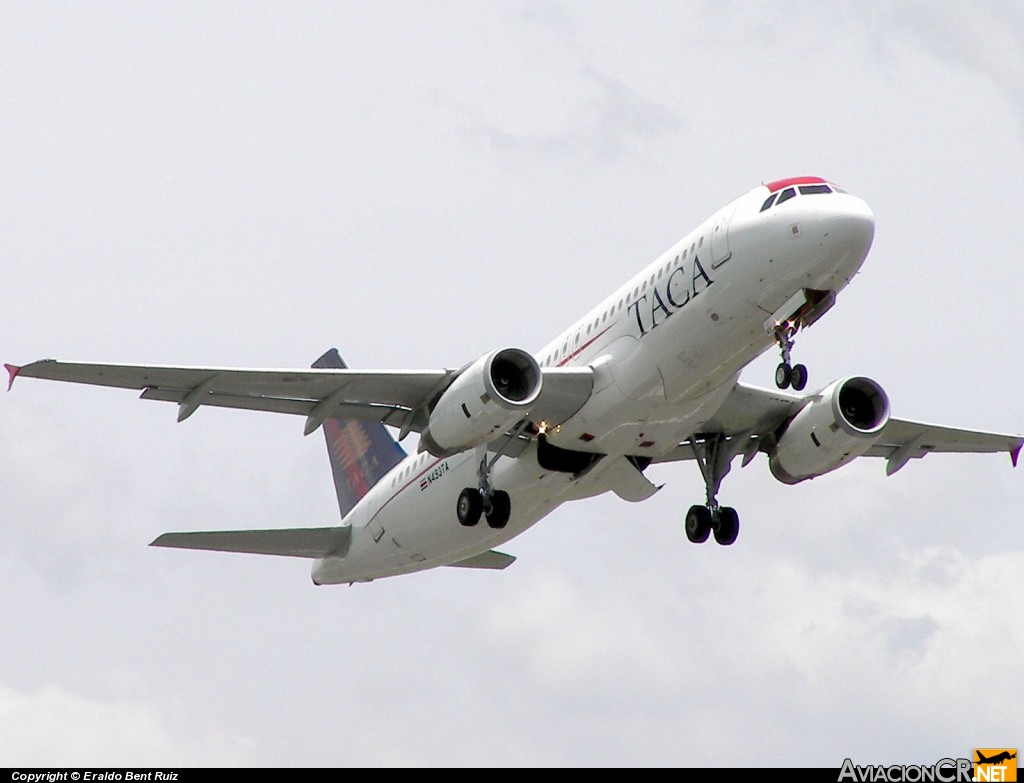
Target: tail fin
[361, 452]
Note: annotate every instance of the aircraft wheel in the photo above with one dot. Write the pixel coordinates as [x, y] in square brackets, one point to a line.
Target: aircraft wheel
[783, 376]
[798, 377]
[698, 524]
[469, 507]
[728, 526]
[501, 509]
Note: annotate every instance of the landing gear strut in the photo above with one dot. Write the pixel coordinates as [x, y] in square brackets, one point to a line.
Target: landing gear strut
[714, 457]
[786, 374]
[494, 504]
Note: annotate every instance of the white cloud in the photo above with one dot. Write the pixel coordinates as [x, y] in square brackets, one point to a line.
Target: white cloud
[776, 654]
[987, 38]
[54, 728]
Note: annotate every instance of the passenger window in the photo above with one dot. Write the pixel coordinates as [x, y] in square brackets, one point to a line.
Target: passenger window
[769, 201]
[786, 195]
[701, 243]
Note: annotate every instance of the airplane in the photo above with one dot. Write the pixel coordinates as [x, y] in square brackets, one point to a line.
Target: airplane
[996, 759]
[649, 375]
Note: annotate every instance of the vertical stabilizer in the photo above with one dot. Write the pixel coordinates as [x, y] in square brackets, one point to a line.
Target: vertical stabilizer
[361, 452]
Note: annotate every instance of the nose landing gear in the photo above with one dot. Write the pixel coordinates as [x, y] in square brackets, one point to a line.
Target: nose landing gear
[787, 374]
[799, 311]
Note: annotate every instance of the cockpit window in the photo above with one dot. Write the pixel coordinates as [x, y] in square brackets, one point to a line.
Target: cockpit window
[786, 195]
[804, 186]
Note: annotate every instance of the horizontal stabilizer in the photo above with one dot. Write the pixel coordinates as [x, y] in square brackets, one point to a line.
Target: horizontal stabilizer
[312, 542]
[493, 560]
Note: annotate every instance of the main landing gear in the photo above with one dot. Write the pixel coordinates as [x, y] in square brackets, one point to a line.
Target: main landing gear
[714, 457]
[494, 504]
[786, 374]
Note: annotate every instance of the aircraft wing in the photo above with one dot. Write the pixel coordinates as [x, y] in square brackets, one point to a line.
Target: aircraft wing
[400, 398]
[749, 413]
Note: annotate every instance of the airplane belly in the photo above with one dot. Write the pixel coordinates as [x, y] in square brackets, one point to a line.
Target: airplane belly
[703, 346]
[421, 529]
[635, 370]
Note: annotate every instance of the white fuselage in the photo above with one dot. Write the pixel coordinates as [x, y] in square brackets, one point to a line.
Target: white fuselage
[666, 348]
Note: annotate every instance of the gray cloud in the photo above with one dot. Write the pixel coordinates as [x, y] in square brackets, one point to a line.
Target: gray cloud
[248, 188]
[607, 122]
[985, 38]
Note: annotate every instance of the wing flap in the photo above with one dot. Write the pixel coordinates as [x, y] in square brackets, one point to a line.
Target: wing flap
[749, 413]
[752, 409]
[314, 542]
[628, 482]
[342, 410]
[395, 397]
[903, 440]
[406, 388]
[400, 398]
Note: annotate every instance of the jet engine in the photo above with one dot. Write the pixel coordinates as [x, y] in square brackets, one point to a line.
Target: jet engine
[485, 400]
[839, 424]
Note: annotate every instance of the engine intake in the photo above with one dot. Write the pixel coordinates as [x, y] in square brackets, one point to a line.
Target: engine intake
[485, 400]
[838, 425]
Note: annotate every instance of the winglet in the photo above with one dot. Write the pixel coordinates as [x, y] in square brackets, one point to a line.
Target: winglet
[12, 371]
[1013, 454]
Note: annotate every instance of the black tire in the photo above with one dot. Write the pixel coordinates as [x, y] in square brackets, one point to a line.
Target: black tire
[798, 377]
[728, 527]
[783, 375]
[501, 509]
[698, 524]
[469, 507]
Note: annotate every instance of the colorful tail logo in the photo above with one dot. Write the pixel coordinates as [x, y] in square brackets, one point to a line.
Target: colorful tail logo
[361, 452]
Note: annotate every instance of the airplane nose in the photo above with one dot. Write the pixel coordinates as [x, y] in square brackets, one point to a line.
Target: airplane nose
[850, 226]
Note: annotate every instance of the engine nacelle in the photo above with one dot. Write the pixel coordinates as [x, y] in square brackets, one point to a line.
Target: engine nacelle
[840, 423]
[487, 399]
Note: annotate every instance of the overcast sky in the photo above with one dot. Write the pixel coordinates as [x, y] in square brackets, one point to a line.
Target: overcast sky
[248, 184]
